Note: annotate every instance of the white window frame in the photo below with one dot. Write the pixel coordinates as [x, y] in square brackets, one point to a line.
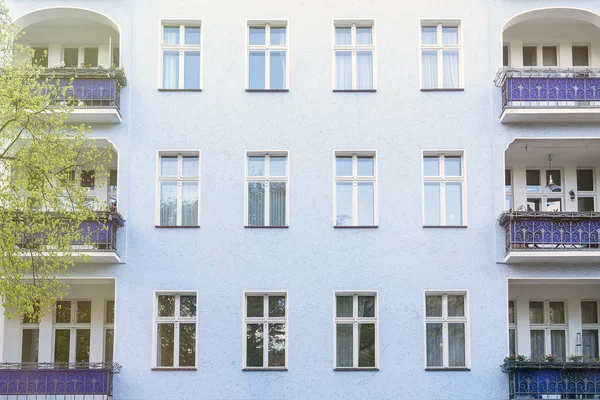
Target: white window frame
[540, 55]
[181, 48]
[73, 326]
[442, 179]
[353, 48]
[80, 54]
[589, 47]
[355, 179]
[548, 327]
[24, 326]
[590, 326]
[509, 58]
[267, 179]
[355, 320]
[107, 326]
[265, 320]
[440, 47]
[267, 48]
[545, 193]
[509, 193]
[179, 179]
[513, 326]
[586, 193]
[444, 320]
[176, 319]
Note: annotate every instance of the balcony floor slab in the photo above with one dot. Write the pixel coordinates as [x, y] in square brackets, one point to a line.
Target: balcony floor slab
[550, 115]
[552, 257]
[93, 115]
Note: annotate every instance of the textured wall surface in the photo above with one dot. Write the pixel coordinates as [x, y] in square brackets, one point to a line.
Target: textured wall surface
[311, 259]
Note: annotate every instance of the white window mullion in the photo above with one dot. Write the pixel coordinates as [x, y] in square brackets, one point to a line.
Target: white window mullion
[266, 331]
[268, 57]
[267, 190]
[440, 60]
[442, 191]
[176, 332]
[445, 340]
[354, 190]
[355, 331]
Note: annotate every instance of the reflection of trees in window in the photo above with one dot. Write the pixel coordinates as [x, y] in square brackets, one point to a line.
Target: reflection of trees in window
[276, 345]
[176, 317]
[187, 344]
[166, 336]
[254, 345]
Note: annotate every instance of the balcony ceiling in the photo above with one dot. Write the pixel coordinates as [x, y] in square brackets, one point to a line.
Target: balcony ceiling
[564, 151]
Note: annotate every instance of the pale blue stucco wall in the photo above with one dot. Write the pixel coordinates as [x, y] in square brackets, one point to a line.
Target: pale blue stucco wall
[311, 259]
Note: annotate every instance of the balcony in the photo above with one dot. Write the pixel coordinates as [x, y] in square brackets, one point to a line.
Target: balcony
[556, 380]
[83, 380]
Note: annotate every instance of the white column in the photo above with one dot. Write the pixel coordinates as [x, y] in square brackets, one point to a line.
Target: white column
[54, 54]
[97, 327]
[45, 345]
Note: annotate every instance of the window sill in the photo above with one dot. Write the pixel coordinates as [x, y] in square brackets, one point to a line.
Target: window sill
[445, 226]
[176, 226]
[175, 369]
[356, 369]
[444, 90]
[265, 227]
[179, 90]
[449, 369]
[356, 227]
[354, 90]
[279, 369]
[267, 90]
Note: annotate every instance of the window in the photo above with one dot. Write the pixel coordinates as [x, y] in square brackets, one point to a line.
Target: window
[90, 56]
[533, 54]
[512, 328]
[508, 190]
[180, 50]
[266, 188]
[178, 188]
[30, 339]
[175, 330]
[40, 56]
[72, 327]
[88, 179]
[267, 52]
[590, 324]
[443, 189]
[446, 329]
[581, 56]
[265, 327]
[441, 55]
[505, 55]
[586, 190]
[109, 331]
[116, 56]
[356, 330]
[355, 195]
[354, 55]
[548, 329]
[541, 195]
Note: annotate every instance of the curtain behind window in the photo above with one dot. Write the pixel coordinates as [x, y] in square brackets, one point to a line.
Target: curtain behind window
[451, 69]
[343, 70]
[170, 70]
[429, 69]
[364, 70]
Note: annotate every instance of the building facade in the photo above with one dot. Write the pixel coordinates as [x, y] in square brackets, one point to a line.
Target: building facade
[334, 200]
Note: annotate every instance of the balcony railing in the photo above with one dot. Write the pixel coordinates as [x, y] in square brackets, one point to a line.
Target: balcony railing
[534, 231]
[51, 380]
[556, 380]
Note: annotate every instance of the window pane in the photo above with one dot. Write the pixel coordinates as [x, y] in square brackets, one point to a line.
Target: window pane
[585, 204]
[277, 204]
[187, 345]
[257, 35]
[366, 306]
[343, 36]
[454, 203]
[62, 342]
[512, 342]
[366, 203]
[90, 56]
[366, 166]
[71, 58]
[30, 346]
[255, 306]
[191, 77]
[581, 56]
[536, 312]
[585, 180]
[366, 345]
[590, 344]
[343, 70]
[63, 312]
[256, 166]
[554, 175]
[536, 338]
[511, 312]
[364, 70]
[557, 312]
[507, 181]
[170, 70]
[505, 56]
[189, 206]
[434, 342]
[84, 312]
[533, 181]
[452, 166]
[40, 56]
[432, 203]
[171, 35]
[534, 204]
[165, 345]
[343, 306]
[88, 178]
[529, 56]
[456, 306]
[190, 166]
[433, 306]
[431, 166]
[456, 344]
[343, 166]
[364, 36]
[278, 70]
[278, 166]
[256, 77]
[428, 35]
[451, 68]
[276, 306]
[589, 312]
[508, 203]
[343, 207]
[429, 60]
[343, 345]
[168, 166]
[110, 312]
[168, 203]
[277, 36]
[192, 35]
[254, 345]
[109, 345]
[549, 56]
[554, 205]
[450, 35]
[276, 345]
[82, 345]
[166, 306]
[187, 306]
[558, 343]
[256, 204]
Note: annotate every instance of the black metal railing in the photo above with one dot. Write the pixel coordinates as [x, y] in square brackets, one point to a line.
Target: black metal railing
[535, 230]
[83, 380]
[552, 380]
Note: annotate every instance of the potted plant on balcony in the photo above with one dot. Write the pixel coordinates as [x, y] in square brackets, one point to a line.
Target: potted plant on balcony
[550, 358]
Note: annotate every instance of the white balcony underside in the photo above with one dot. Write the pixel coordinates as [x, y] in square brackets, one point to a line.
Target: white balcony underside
[91, 115]
[552, 257]
[550, 115]
[95, 257]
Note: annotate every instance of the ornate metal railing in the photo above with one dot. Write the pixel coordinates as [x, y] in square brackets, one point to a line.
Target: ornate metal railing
[549, 88]
[557, 380]
[534, 230]
[84, 380]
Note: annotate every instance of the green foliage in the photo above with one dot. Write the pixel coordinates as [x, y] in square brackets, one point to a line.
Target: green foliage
[41, 205]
